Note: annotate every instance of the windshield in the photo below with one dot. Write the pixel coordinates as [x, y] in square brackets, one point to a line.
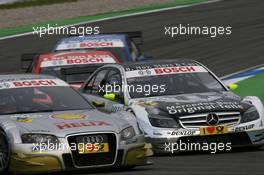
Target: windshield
[173, 84]
[40, 99]
[70, 74]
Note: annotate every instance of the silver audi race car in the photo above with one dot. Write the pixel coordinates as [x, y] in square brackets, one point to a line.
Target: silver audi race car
[179, 104]
[46, 126]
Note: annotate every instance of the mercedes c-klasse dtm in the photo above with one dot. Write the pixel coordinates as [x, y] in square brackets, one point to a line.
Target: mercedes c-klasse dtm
[47, 126]
[178, 102]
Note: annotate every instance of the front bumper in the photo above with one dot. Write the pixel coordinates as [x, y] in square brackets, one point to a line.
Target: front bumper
[235, 139]
[24, 161]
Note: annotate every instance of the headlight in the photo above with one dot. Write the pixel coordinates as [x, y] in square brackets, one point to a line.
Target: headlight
[163, 122]
[39, 138]
[128, 133]
[250, 115]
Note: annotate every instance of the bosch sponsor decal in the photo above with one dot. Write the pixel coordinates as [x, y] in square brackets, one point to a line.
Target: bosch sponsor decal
[244, 128]
[203, 107]
[77, 59]
[91, 43]
[32, 83]
[65, 125]
[182, 132]
[68, 116]
[165, 71]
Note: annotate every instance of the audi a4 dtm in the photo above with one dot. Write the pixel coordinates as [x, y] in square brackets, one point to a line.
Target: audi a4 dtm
[47, 126]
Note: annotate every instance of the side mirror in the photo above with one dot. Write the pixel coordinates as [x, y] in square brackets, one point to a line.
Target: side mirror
[110, 96]
[98, 104]
[232, 86]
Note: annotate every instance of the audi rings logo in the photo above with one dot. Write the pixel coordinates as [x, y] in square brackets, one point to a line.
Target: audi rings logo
[93, 139]
[212, 119]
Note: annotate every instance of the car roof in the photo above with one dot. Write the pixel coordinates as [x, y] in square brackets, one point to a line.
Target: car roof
[17, 77]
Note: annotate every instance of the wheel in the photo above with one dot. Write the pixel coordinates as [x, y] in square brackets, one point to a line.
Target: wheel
[4, 154]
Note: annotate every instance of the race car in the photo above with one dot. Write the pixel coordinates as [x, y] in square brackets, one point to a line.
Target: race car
[178, 103]
[72, 66]
[47, 126]
[124, 46]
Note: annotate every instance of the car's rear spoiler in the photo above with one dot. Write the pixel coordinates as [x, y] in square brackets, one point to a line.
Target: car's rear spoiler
[27, 60]
[136, 36]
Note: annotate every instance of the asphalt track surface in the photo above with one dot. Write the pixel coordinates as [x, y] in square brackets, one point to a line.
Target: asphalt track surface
[224, 55]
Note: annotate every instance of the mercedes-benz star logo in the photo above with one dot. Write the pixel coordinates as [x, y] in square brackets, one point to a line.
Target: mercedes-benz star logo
[212, 119]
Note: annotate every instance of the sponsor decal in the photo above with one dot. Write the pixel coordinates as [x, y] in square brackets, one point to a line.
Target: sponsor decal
[32, 83]
[203, 106]
[165, 71]
[91, 43]
[213, 130]
[244, 128]
[77, 59]
[80, 124]
[24, 120]
[68, 116]
[21, 116]
[182, 132]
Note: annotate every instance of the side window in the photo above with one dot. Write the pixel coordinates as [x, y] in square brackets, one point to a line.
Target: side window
[134, 51]
[98, 82]
[114, 85]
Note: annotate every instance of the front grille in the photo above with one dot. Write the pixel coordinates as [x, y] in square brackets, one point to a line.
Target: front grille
[199, 120]
[94, 159]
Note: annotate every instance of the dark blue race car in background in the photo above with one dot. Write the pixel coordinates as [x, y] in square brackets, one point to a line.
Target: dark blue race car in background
[125, 46]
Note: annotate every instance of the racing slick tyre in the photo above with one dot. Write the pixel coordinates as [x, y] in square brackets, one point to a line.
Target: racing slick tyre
[4, 154]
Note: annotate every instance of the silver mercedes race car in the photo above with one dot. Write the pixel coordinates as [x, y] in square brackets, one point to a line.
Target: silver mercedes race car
[179, 104]
[47, 126]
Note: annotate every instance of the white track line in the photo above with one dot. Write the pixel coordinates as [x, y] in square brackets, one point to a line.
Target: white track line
[117, 17]
[244, 70]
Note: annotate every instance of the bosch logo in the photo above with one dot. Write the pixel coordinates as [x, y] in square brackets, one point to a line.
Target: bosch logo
[93, 139]
[212, 119]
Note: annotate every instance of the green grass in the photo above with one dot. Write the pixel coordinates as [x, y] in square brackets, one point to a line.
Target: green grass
[29, 28]
[252, 87]
[30, 3]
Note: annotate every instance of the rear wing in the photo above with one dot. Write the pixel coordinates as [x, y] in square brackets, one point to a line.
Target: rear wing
[27, 60]
[136, 36]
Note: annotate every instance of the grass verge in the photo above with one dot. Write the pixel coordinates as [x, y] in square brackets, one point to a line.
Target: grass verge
[29, 28]
[252, 87]
[30, 3]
